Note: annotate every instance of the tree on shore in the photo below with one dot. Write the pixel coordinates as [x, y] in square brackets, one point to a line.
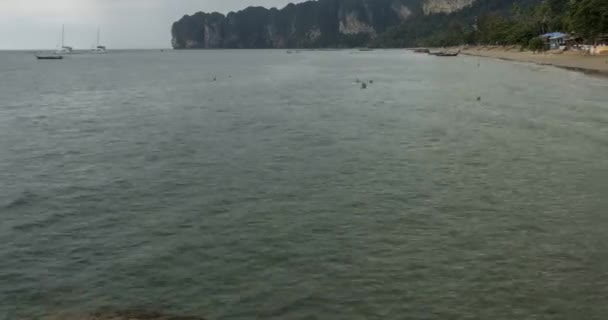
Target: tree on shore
[490, 22]
[589, 18]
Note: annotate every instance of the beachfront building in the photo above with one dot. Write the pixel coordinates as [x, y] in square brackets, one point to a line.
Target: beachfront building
[554, 40]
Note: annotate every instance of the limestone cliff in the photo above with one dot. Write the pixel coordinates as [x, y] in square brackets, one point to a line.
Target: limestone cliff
[323, 23]
[340, 23]
[445, 6]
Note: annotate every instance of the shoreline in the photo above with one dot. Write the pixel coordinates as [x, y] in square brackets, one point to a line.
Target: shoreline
[573, 61]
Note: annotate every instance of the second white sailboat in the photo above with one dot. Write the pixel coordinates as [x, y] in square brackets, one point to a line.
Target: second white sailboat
[99, 48]
[64, 49]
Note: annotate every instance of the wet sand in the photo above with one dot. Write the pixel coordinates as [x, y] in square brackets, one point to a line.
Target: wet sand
[570, 60]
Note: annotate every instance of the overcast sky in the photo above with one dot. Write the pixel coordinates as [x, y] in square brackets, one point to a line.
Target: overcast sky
[36, 24]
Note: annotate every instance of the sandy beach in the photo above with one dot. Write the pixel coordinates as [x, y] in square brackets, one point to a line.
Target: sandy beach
[597, 64]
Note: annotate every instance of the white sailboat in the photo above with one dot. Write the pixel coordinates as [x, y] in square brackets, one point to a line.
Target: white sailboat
[64, 49]
[99, 48]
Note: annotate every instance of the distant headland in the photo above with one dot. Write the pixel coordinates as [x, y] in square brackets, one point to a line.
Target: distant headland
[525, 24]
[325, 23]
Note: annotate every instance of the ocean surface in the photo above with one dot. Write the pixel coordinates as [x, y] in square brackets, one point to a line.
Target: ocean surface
[283, 190]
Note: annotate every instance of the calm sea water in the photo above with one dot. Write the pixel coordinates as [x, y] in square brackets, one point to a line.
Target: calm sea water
[284, 191]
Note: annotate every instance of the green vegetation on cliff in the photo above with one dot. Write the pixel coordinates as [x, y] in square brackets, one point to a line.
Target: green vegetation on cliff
[502, 22]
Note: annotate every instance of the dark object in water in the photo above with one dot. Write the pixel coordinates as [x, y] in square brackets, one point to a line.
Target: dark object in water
[23, 199]
[124, 315]
[371, 81]
[478, 98]
[444, 54]
[50, 57]
[145, 315]
[364, 86]
[358, 81]
[422, 50]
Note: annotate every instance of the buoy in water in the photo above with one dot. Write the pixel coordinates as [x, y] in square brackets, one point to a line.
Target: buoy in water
[363, 86]
[371, 81]
[478, 98]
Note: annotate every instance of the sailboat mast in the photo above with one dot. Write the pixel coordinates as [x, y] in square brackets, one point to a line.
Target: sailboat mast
[63, 35]
[98, 32]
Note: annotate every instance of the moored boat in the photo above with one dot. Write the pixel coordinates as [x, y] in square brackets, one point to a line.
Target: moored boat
[445, 54]
[49, 57]
[99, 48]
[64, 49]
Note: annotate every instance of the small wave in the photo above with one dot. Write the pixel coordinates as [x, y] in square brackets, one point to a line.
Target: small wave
[23, 199]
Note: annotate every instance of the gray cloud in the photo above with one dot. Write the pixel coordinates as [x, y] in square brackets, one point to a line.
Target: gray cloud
[36, 24]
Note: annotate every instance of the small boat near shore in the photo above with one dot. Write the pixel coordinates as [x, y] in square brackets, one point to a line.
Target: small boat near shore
[444, 54]
[49, 57]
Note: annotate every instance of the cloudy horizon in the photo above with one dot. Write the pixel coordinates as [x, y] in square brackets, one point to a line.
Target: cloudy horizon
[124, 24]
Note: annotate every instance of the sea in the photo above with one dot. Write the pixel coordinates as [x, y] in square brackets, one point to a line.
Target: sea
[262, 184]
